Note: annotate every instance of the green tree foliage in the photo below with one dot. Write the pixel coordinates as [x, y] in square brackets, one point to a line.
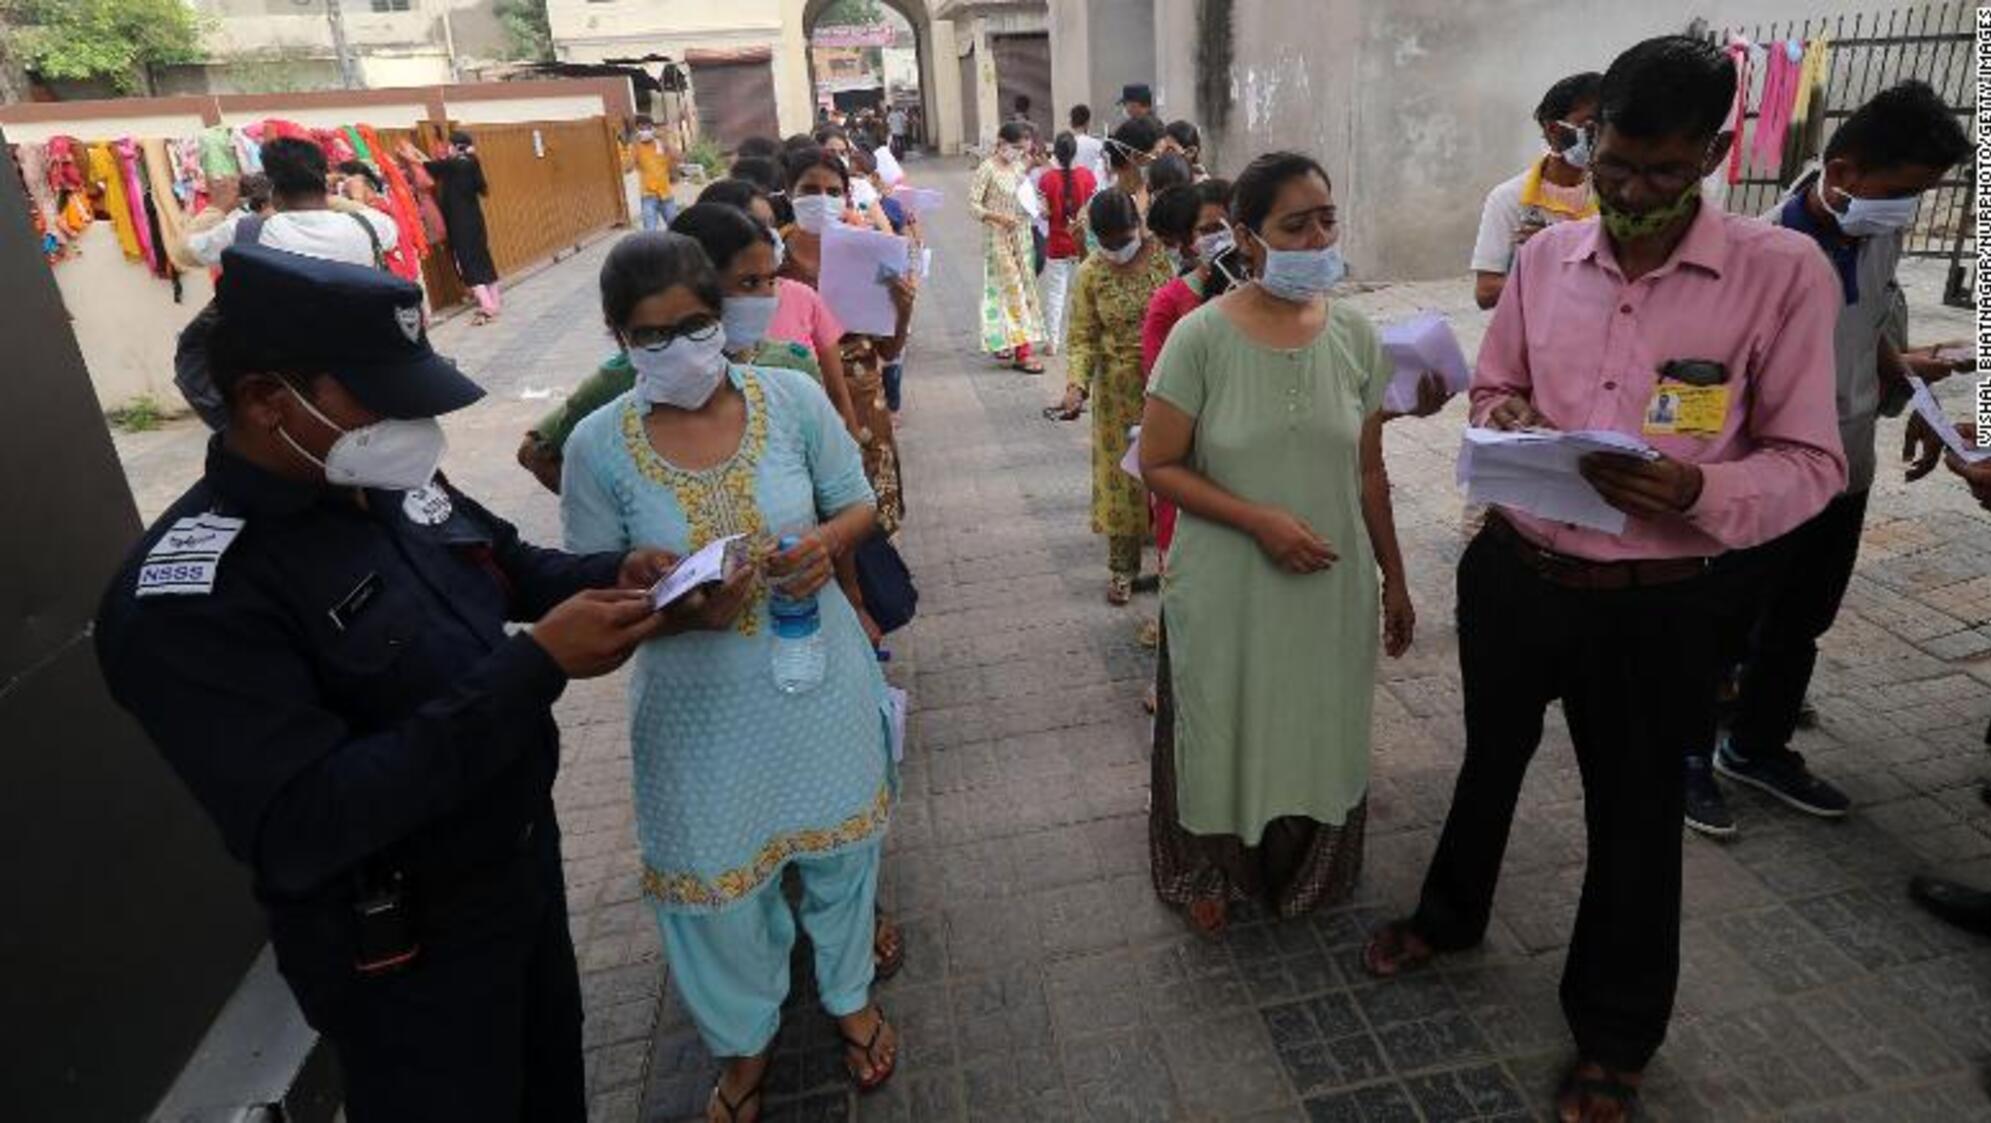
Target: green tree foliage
[842, 13]
[527, 32]
[118, 40]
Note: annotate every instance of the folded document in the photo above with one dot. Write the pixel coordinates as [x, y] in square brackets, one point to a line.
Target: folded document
[1536, 471]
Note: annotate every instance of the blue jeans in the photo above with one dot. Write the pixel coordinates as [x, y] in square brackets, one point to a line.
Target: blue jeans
[658, 212]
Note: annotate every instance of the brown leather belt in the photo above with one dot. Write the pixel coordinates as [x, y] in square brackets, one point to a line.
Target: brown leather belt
[1582, 573]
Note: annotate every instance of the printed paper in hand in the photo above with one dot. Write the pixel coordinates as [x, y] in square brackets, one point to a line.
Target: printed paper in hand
[857, 265]
[702, 568]
[1131, 463]
[889, 171]
[1536, 471]
[896, 702]
[1931, 411]
[918, 201]
[1422, 343]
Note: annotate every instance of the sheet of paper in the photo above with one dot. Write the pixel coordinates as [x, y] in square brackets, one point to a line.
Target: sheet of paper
[1422, 343]
[702, 568]
[889, 171]
[857, 267]
[1925, 403]
[1131, 463]
[1026, 197]
[919, 201]
[1536, 471]
[896, 703]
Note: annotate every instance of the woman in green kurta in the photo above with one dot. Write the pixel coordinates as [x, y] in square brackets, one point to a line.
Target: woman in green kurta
[1110, 297]
[1264, 425]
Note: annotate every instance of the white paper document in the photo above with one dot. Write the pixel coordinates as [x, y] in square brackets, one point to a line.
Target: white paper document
[1131, 463]
[702, 568]
[1536, 471]
[1419, 344]
[1925, 403]
[858, 266]
[896, 704]
[889, 171]
[918, 201]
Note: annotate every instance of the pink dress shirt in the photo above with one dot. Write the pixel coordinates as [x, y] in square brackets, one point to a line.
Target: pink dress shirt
[1585, 349]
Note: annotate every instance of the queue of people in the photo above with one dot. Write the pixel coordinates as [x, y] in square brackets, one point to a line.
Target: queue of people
[320, 636]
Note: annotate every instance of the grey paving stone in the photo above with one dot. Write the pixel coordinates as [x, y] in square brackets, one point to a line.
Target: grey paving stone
[1374, 1103]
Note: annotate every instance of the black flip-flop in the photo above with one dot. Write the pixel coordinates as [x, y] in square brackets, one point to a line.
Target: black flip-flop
[1959, 904]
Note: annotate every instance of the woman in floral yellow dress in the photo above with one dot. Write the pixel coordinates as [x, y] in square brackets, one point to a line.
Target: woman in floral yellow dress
[1108, 302]
[1012, 318]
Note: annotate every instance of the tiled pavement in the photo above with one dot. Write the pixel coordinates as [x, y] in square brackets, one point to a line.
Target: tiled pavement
[1045, 983]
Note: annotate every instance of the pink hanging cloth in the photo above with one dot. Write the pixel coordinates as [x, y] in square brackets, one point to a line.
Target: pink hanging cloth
[1773, 113]
[134, 198]
[1738, 53]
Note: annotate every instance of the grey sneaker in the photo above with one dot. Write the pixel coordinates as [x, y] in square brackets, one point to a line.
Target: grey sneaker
[1707, 811]
[1785, 777]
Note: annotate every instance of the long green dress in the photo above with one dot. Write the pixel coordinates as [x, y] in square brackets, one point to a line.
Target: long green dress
[1264, 731]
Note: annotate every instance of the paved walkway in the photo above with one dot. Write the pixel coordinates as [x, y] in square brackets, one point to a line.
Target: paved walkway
[1045, 983]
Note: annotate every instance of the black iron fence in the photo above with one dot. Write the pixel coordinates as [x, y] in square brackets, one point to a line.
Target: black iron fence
[1871, 51]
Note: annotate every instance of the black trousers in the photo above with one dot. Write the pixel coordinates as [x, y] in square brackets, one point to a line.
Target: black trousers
[1801, 580]
[485, 1024]
[1635, 670]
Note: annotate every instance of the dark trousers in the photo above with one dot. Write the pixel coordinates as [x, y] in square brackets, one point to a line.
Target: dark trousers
[1801, 580]
[1635, 670]
[484, 1025]
[894, 376]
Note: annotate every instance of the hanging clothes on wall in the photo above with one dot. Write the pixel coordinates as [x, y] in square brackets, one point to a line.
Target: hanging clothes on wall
[334, 144]
[189, 180]
[160, 167]
[248, 151]
[134, 193]
[107, 195]
[1807, 131]
[1773, 111]
[66, 160]
[365, 151]
[406, 212]
[1740, 51]
[217, 151]
[31, 164]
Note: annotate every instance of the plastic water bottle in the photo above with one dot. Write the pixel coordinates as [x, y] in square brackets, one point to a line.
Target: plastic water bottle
[799, 654]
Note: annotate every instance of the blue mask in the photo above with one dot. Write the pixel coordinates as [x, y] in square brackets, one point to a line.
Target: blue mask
[1301, 275]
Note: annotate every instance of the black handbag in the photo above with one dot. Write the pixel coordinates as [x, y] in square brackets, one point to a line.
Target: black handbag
[889, 594]
[1037, 250]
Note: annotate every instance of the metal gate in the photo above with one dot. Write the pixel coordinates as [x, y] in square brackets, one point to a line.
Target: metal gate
[1870, 52]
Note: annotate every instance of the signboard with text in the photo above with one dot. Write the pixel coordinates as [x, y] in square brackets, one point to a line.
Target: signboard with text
[854, 35]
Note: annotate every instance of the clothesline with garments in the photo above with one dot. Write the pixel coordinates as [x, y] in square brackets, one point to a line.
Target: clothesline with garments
[1795, 73]
[151, 190]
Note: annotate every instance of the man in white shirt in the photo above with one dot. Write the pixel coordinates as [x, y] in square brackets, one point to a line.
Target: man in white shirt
[1555, 188]
[305, 221]
[1091, 149]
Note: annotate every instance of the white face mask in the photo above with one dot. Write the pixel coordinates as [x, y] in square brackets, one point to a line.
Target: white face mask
[1125, 254]
[646, 135]
[1301, 275]
[745, 319]
[1213, 245]
[817, 213]
[1576, 155]
[684, 372]
[392, 454]
[1863, 218]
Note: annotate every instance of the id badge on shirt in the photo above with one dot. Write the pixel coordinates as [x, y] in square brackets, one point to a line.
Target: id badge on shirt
[1684, 409]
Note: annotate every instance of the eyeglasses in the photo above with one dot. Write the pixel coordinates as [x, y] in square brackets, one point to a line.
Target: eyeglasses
[1665, 179]
[699, 329]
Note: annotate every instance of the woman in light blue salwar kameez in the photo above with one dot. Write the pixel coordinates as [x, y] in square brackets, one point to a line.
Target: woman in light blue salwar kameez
[734, 779]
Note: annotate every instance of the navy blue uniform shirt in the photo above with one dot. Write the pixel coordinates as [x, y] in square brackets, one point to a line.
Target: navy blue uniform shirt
[346, 688]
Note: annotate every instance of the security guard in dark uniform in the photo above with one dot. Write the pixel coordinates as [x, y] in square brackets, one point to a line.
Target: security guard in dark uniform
[314, 636]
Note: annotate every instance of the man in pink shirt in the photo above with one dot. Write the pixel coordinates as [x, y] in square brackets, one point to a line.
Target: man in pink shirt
[1709, 336]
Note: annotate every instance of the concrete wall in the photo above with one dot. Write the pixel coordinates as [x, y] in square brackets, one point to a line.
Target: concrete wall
[125, 319]
[1122, 50]
[1417, 107]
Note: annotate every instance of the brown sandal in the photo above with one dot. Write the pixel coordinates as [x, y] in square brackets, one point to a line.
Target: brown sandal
[886, 963]
[1390, 952]
[869, 1047]
[1589, 1085]
[1209, 917]
[1119, 590]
